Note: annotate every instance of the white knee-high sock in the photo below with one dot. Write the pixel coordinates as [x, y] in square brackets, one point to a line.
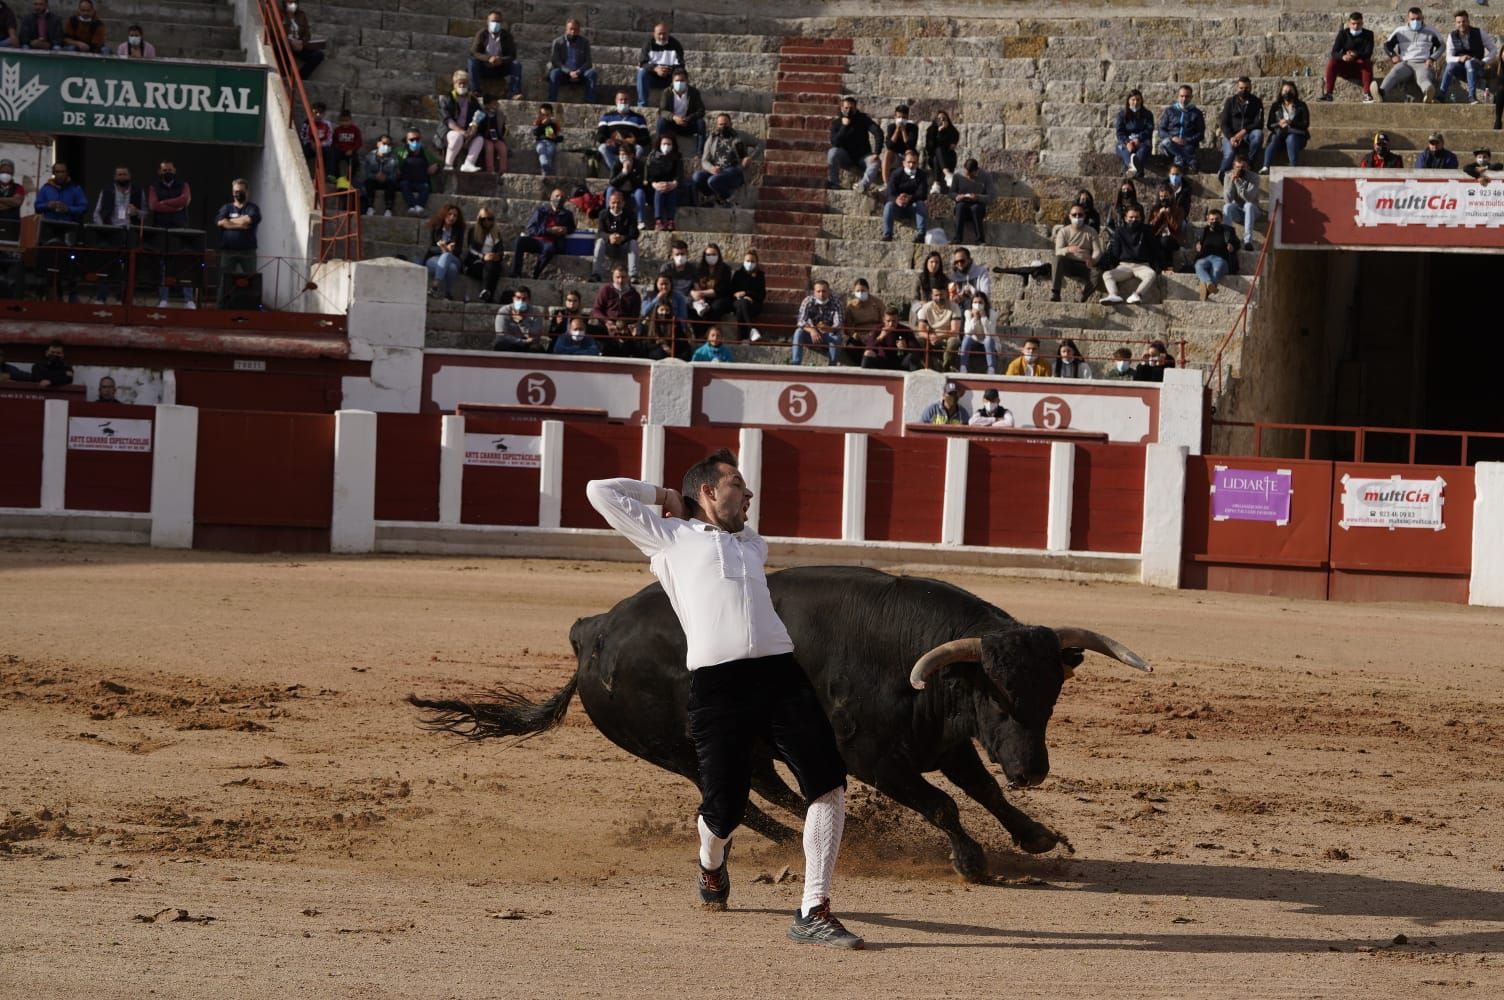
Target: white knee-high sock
[823, 824]
[712, 848]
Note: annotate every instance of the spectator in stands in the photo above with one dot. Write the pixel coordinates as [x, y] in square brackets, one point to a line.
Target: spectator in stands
[120, 206]
[168, 199]
[947, 409]
[84, 32]
[1469, 51]
[940, 141]
[722, 166]
[973, 191]
[1289, 126]
[62, 199]
[663, 172]
[135, 45]
[710, 298]
[317, 136]
[853, 134]
[1167, 224]
[820, 322]
[1411, 49]
[484, 253]
[1078, 246]
[1351, 59]
[978, 328]
[661, 335]
[1483, 164]
[907, 190]
[380, 172]
[547, 135]
[12, 197]
[1240, 200]
[348, 141]
[863, 316]
[41, 29]
[991, 413]
[617, 307]
[895, 348]
[10, 36]
[461, 114]
[665, 292]
[52, 371]
[1127, 197]
[1135, 133]
[1180, 190]
[1182, 127]
[493, 136]
[1069, 363]
[578, 342]
[106, 392]
[1152, 367]
[1088, 206]
[661, 55]
[938, 325]
[544, 236]
[620, 127]
[713, 350]
[681, 111]
[967, 278]
[1242, 123]
[238, 219]
[749, 289]
[62, 204]
[932, 275]
[1436, 155]
[569, 62]
[444, 248]
[1121, 369]
[519, 327]
[628, 178]
[680, 271]
[560, 318]
[1216, 253]
[1132, 253]
[1029, 364]
[900, 137]
[616, 236]
[493, 56]
[1380, 158]
[300, 39]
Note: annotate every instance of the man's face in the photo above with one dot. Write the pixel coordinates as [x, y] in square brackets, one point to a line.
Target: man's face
[619, 279]
[1029, 351]
[1214, 218]
[411, 138]
[847, 108]
[937, 296]
[493, 19]
[1244, 88]
[54, 351]
[713, 338]
[1132, 218]
[106, 390]
[822, 292]
[723, 123]
[1436, 145]
[910, 161]
[85, 8]
[39, 6]
[167, 167]
[1184, 94]
[962, 262]
[571, 302]
[660, 33]
[122, 177]
[571, 30]
[890, 323]
[616, 203]
[1461, 21]
[727, 500]
[1355, 23]
[59, 174]
[238, 191]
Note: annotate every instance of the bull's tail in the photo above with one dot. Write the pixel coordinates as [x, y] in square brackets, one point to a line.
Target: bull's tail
[509, 715]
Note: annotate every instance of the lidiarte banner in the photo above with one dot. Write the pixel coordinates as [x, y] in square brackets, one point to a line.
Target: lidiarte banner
[57, 94]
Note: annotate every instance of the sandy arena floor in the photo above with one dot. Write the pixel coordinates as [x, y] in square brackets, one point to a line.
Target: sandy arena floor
[1305, 800]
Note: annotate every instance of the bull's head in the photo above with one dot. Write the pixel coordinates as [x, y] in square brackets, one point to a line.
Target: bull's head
[1025, 668]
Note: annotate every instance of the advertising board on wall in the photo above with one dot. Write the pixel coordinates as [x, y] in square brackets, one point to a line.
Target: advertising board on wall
[1251, 494]
[108, 434]
[1392, 503]
[1417, 202]
[504, 451]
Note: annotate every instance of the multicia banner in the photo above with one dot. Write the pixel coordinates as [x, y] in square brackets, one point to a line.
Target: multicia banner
[1418, 202]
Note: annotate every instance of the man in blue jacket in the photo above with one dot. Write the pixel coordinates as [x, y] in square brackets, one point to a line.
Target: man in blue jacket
[577, 342]
[62, 204]
[545, 233]
[1181, 129]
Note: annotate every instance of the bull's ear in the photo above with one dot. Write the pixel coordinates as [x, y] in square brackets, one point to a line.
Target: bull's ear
[1070, 659]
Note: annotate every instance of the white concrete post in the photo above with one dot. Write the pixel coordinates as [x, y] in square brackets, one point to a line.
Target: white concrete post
[1164, 515]
[174, 473]
[170, 387]
[1062, 493]
[671, 393]
[953, 516]
[54, 453]
[1487, 585]
[854, 489]
[652, 454]
[451, 468]
[749, 463]
[551, 476]
[1180, 409]
[352, 526]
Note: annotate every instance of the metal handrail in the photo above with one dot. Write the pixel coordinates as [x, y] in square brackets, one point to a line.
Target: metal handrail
[1361, 436]
[1258, 271]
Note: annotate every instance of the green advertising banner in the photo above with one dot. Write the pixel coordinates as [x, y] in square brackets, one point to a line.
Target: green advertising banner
[58, 94]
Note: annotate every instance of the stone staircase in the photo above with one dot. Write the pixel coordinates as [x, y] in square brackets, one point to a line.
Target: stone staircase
[179, 29]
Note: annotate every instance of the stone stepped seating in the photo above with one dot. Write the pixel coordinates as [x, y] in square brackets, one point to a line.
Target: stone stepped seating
[178, 29]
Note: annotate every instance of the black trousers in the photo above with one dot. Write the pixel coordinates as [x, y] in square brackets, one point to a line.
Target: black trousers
[736, 707]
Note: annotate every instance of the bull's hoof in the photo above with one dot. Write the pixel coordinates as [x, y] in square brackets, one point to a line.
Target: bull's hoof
[1042, 841]
[970, 862]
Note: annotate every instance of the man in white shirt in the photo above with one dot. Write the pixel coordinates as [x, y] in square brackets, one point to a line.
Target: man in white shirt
[744, 682]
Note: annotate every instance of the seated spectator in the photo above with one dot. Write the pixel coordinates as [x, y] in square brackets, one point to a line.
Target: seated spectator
[665, 292]
[1482, 166]
[1216, 253]
[348, 141]
[907, 190]
[1167, 224]
[106, 391]
[973, 190]
[713, 350]
[1121, 369]
[820, 322]
[519, 326]
[863, 316]
[620, 128]
[547, 134]
[1240, 200]
[895, 347]
[1029, 364]
[52, 371]
[1132, 253]
[966, 279]
[1469, 52]
[1411, 49]
[379, 173]
[1242, 124]
[461, 114]
[1351, 59]
[628, 178]
[416, 165]
[932, 275]
[662, 172]
[1134, 126]
[444, 240]
[317, 137]
[724, 162]
[544, 236]
[938, 325]
[135, 45]
[1088, 206]
[1069, 363]
[661, 55]
[991, 413]
[41, 29]
[978, 328]
[1078, 245]
[940, 141]
[681, 111]
[1126, 198]
[10, 35]
[899, 138]
[300, 39]
[493, 136]
[661, 335]
[493, 56]
[1436, 155]
[616, 236]
[616, 309]
[569, 62]
[484, 253]
[1152, 367]
[1175, 177]
[578, 342]
[84, 32]
[559, 319]
[710, 298]
[1182, 127]
[947, 409]
[853, 134]
[1380, 158]
[749, 289]
[1289, 126]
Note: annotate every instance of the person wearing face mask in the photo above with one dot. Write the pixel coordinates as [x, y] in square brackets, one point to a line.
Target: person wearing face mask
[678, 270]
[519, 327]
[493, 136]
[1216, 253]
[1132, 253]
[1182, 127]
[1088, 206]
[1352, 59]
[973, 190]
[979, 328]
[317, 136]
[238, 220]
[416, 165]
[62, 204]
[569, 62]
[461, 113]
[168, 199]
[380, 171]
[1242, 124]
[662, 173]
[135, 45]
[661, 335]
[120, 208]
[84, 31]
[307, 53]
[723, 163]
[12, 197]
[577, 342]
[53, 370]
[616, 236]
[617, 308]
[947, 409]
[661, 55]
[713, 351]
[820, 322]
[1028, 364]
[1152, 367]
[940, 141]
[1380, 158]
[992, 413]
[864, 315]
[1180, 191]
[1167, 224]
[1126, 198]
[547, 134]
[1483, 163]
[1135, 133]
[619, 127]
[41, 29]
[1240, 199]
[681, 111]
[628, 178]
[1469, 50]
[711, 296]
[1121, 369]
[907, 190]
[493, 56]
[1069, 363]
[484, 253]
[546, 230]
[348, 140]
[1289, 126]
[1436, 155]
[749, 289]
[664, 293]
[1412, 47]
[901, 136]
[1078, 245]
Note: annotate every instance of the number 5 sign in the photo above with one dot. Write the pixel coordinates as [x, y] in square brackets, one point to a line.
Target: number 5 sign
[536, 389]
[797, 403]
[1052, 414]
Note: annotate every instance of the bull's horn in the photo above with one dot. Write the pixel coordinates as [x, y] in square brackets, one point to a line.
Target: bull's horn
[955, 651]
[1098, 643]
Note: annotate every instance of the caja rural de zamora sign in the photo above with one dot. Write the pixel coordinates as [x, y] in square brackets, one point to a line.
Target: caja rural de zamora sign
[57, 94]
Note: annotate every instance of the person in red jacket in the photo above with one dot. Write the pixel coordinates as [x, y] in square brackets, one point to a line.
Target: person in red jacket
[168, 199]
[348, 142]
[1381, 158]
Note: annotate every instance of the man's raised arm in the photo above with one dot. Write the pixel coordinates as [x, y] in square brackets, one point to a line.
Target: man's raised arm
[624, 505]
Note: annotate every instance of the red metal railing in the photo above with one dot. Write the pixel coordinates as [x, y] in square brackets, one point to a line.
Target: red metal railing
[1258, 271]
[1361, 437]
[339, 211]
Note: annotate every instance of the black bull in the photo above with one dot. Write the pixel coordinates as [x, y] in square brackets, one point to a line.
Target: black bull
[857, 633]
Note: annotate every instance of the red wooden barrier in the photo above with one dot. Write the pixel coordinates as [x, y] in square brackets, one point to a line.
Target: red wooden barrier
[595, 451]
[21, 452]
[1404, 564]
[105, 480]
[407, 466]
[265, 481]
[1107, 502]
[1007, 494]
[289, 392]
[802, 474]
[905, 476]
[500, 496]
[684, 446]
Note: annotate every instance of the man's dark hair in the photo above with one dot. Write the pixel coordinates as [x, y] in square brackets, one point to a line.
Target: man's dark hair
[1122, 352]
[1032, 340]
[1244, 79]
[1416, 10]
[705, 472]
[55, 342]
[1356, 15]
[1460, 13]
[679, 245]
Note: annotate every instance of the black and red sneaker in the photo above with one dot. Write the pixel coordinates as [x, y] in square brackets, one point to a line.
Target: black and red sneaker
[821, 927]
[715, 885]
